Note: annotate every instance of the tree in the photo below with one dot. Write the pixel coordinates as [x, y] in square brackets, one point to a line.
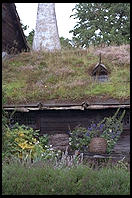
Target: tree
[101, 23]
[65, 43]
[30, 37]
[24, 27]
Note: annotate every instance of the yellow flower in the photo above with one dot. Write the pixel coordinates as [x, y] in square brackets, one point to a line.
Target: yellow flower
[34, 140]
[23, 145]
[21, 135]
[17, 139]
[29, 147]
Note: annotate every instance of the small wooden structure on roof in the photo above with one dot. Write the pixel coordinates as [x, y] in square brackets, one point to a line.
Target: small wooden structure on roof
[100, 72]
[13, 39]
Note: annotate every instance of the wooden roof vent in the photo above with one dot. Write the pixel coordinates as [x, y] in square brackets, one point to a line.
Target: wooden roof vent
[100, 72]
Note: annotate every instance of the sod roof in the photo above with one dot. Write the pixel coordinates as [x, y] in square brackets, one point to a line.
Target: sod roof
[65, 76]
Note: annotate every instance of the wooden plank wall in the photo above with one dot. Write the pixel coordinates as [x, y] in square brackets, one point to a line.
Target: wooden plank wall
[55, 122]
[11, 31]
[61, 121]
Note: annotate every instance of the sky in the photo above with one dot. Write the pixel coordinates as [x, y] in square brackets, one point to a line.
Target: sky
[28, 13]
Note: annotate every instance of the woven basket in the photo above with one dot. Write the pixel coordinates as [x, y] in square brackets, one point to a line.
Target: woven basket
[98, 145]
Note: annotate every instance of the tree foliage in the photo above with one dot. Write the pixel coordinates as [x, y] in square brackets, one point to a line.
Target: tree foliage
[30, 37]
[65, 43]
[101, 23]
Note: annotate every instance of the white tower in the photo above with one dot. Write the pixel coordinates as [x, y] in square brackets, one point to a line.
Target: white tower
[46, 37]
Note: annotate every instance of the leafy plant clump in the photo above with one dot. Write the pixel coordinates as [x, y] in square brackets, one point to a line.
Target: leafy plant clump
[110, 128]
[25, 144]
[104, 18]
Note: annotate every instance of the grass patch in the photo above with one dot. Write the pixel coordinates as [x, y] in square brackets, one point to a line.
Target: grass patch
[100, 89]
[79, 180]
[65, 75]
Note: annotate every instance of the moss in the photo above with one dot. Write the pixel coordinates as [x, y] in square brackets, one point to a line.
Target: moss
[63, 75]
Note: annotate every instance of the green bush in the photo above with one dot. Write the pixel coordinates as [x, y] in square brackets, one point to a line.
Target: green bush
[78, 138]
[79, 180]
[25, 144]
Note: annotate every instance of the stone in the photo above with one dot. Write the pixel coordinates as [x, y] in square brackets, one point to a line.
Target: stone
[59, 141]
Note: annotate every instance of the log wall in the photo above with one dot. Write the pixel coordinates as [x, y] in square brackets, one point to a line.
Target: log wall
[55, 122]
[13, 39]
[60, 121]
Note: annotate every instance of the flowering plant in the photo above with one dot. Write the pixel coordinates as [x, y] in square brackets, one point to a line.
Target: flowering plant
[110, 128]
[24, 143]
[78, 139]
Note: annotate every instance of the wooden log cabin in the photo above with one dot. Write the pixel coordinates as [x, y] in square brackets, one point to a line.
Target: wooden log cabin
[59, 118]
[55, 119]
[13, 38]
[55, 116]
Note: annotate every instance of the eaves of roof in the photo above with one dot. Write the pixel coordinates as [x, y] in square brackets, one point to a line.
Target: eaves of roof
[81, 106]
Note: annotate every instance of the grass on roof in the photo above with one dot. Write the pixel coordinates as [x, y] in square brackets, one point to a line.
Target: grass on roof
[65, 75]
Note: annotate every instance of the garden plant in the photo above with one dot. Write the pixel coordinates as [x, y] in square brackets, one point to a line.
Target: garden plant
[30, 166]
[110, 128]
[24, 143]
